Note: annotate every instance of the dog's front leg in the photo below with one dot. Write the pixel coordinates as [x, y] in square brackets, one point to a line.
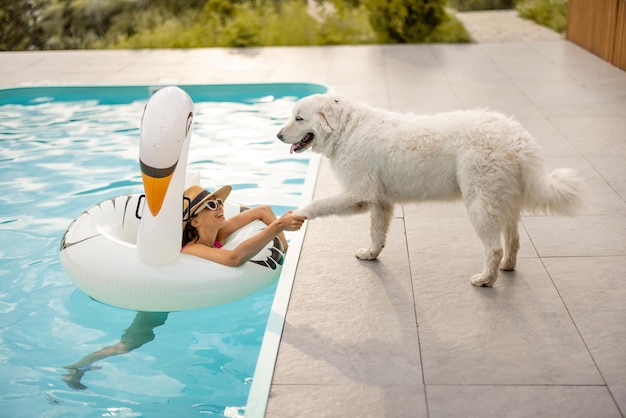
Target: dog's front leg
[380, 217]
[341, 204]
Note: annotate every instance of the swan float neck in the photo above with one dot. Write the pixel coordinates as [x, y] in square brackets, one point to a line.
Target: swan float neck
[163, 149]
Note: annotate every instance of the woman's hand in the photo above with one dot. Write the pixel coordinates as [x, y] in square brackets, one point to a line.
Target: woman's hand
[290, 221]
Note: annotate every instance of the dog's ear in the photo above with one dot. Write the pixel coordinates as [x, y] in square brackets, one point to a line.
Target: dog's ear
[330, 113]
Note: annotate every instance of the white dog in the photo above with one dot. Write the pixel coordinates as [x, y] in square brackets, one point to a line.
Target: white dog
[382, 158]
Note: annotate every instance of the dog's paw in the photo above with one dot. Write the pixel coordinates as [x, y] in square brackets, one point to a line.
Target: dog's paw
[483, 281]
[507, 265]
[366, 254]
[303, 212]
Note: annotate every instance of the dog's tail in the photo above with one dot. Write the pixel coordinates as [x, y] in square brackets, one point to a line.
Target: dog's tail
[562, 192]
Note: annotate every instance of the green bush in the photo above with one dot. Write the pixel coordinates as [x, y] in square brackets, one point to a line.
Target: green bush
[451, 30]
[469, 5]
[550, 13]
[347, 25]
[247, 24]
[244, 29]
[289, 25]
[79, 23]
[18, 25]
[404, 21]
[71, 24]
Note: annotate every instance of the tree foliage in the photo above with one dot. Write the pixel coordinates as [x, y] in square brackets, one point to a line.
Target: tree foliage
[19, 28]
[406, 20]
[70, 24]
[80, 24]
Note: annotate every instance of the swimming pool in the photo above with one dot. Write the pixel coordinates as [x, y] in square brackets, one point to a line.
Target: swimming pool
[65, 149]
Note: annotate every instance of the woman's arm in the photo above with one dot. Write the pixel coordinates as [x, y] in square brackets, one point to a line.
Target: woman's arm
[244, 251]
[263, 213]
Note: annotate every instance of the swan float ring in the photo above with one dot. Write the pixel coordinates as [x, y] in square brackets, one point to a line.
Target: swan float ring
[125, 251]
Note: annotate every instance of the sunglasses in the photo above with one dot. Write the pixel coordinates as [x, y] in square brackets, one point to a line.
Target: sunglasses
[209, 204]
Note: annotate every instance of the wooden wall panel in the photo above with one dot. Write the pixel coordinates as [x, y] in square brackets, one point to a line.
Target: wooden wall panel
[619, 50]
[600, 27]
[591, 24]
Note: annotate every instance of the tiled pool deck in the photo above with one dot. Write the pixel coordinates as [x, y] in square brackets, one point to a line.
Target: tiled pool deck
[407, 335]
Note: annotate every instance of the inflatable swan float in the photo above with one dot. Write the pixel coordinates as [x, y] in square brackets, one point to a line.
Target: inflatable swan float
[125, 251]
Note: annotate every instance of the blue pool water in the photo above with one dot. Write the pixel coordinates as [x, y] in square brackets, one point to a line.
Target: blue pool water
[63, 150]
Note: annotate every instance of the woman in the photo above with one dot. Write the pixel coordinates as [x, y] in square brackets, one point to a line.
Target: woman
[205, 229]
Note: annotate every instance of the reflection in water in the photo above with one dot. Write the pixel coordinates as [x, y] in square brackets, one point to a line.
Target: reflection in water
[139, 333]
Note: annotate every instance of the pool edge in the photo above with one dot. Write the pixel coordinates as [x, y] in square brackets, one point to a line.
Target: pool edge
[258, 395]
[127, 93]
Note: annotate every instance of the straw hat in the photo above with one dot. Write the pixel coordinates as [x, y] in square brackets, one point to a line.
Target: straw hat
[198, 195]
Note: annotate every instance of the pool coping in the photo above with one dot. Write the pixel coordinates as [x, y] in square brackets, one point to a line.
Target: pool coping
[132, 92]
[258, 396]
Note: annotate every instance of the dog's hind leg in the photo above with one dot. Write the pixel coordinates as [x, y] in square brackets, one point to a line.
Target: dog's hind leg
[511, 245]
[380, 216]
[487, 227]
[492, 257]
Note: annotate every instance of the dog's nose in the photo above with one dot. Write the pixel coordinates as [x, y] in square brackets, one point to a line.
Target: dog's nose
[280, 135]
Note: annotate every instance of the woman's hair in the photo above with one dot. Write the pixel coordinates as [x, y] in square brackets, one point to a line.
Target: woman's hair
[190, 233]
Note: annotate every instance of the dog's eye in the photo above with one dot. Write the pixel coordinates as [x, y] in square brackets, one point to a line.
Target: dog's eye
[298, 118]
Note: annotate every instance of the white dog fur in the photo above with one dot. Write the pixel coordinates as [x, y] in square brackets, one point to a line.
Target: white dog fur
[381, 158]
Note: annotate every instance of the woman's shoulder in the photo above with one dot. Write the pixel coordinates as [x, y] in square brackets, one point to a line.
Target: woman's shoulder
[190, 247]
[196, 245]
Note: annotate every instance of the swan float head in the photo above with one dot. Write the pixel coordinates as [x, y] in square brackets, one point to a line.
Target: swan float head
[163, 149]
[165, 126]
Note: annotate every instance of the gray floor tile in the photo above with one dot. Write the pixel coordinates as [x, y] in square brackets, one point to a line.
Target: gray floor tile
[467, 63]
[612, 168]
[423, 100]
[369, 70]
[366, 348]
[592, 288]
[552, 142]
[499, 96]
[332, 401]
[572, 110]
[594, 136]
[417, 60]
[590, 284]
[590, 235]
[336, 279]
[520, 401]
[443, 230]
[518, 332]
[620, 188]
